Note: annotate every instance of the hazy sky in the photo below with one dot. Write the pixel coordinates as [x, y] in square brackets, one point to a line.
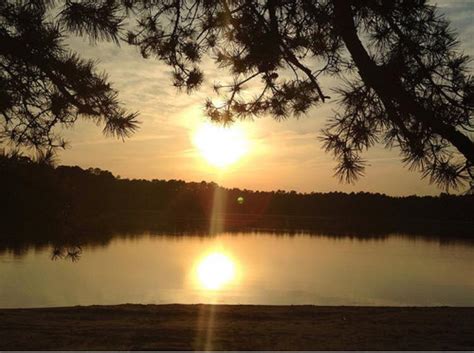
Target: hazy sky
[281, 155]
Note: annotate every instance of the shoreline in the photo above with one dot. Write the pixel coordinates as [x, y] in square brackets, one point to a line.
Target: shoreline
[237, 327]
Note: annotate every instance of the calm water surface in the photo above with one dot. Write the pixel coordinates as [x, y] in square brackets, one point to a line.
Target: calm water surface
[256, 268]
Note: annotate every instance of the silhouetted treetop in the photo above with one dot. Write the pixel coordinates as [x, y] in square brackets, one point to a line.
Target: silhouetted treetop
[43, 85]
[405, 81]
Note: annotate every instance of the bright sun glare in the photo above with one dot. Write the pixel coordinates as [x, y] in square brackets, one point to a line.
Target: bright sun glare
[215, 270]
[221, 146]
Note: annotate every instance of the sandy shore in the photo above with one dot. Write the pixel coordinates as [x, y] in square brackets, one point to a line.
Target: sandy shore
[236, 327]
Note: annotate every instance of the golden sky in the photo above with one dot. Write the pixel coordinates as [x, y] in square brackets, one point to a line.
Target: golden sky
[278, 155]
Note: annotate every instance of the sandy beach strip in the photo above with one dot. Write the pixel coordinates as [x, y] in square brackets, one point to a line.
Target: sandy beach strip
[237, 327]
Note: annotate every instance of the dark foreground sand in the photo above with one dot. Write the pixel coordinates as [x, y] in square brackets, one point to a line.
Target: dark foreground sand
[237, 327]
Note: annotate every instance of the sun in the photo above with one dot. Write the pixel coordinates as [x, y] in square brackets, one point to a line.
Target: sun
[215, 270]
[221, 146]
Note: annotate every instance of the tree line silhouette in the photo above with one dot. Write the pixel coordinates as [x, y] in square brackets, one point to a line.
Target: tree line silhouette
[37, 193]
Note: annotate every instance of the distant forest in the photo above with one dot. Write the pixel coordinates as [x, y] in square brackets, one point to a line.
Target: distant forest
[41, 195]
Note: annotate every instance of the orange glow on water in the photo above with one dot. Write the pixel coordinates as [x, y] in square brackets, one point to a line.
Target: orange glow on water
[215, 270]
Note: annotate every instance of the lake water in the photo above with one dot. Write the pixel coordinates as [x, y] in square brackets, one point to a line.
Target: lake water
[242, 268]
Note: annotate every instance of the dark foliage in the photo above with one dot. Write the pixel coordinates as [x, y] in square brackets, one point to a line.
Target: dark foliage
[43, 85]
[38, 193]
[407, 83]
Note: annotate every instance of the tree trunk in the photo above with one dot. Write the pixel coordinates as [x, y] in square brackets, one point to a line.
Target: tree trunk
[376, 78]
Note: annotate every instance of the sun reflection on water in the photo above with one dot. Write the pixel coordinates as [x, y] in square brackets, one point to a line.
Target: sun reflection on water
[215, 270]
